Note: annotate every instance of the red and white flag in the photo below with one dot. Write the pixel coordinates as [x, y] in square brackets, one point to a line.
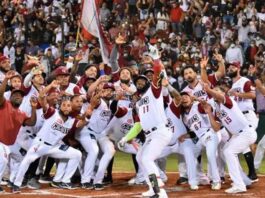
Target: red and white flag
[91, 23]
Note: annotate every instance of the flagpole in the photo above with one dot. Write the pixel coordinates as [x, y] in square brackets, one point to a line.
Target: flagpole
[77, 36]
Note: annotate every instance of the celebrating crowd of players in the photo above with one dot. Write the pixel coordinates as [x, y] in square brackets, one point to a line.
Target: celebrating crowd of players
[79, 124]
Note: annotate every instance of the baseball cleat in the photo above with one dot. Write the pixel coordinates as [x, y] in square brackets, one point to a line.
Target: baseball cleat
[10, 184]
[182, 180]
[234, 190]
[107, 181]
[223, 180]
[15, 189]
[33, 184]
[216, 186]
[87, 185]
[4, 182]
[45, 179]
[136, 181]
[194, 187]
[253, 178]
[148, 193]
[1, 190]
[69, 186]
[55, 184]
[98, 186]
[162, 193]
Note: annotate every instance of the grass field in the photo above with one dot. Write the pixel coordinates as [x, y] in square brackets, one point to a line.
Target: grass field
[123, 163]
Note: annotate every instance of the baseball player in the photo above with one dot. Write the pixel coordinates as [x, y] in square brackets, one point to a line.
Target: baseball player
[48, 142]
[15, 83]
[243, 135]
[179, 144]
[12, 118]
[158, 135]
[89, 135]
[243, 93]
[195, 118]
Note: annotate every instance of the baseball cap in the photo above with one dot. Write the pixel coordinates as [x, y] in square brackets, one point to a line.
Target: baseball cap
[236, 64]
[62, 70]
[140, 77]
[17, 75]
[148, 70]
[18, 90]
[185, 93]
[91, 65]
[108, 86]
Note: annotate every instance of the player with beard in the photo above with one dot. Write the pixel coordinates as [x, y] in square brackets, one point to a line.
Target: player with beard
[243, 93]
[152, 119]
[91, 135]
[196, 119]
[15, 83]
[194, 86]
[48, 142]
[12, 118]
[5, 66]
[122, 77]
[62, 75]
[242, 135]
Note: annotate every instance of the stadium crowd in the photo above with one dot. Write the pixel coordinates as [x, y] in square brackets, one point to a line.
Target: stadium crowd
[50, 69]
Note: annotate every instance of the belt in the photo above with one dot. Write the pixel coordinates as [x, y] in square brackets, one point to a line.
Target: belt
[153, 129]
[32, 136]
[242, 130]
[245, 112]
[205, 133]
[45, 142]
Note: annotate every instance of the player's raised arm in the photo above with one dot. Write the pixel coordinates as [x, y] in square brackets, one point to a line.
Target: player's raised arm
[174, 93]
[208, 109]
[8, 75]
[31, 121]
[215, 94]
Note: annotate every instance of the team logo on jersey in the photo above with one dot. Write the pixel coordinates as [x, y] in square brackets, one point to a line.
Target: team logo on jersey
[105, 113]
[60, 128]
[193, 119]
[169, 122]
[125, 127]
[221, 114]
[144, 101]
[199, 93]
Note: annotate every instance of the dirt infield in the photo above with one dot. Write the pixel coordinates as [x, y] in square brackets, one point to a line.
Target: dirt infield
[120, 189]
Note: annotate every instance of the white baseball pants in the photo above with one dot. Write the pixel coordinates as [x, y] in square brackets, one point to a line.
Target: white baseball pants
[236, 145]
[60, 151]
[89, 143]
[4, 156]
[155, 142]
[259, 153]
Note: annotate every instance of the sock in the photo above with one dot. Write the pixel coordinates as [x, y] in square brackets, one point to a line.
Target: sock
[49, 164]
[250, 162]
[136, 167]
[32, 169]
[154, 183]
[109, 169]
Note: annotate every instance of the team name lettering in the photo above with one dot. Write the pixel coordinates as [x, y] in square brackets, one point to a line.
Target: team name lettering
[144, 101]
[199, 93]
[105, 113]
[221, 114]
[126, 127]
[60, 128]
[193, 119]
